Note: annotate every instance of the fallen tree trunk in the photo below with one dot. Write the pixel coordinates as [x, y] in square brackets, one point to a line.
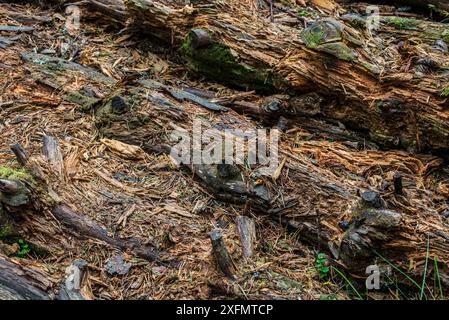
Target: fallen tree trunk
[396, 91]
[394, 85]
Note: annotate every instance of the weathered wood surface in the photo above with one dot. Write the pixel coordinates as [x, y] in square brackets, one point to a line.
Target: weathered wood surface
[377, 83]
[314, 199]
[247, 231]
[221, 254]
[18, 282]
[393, 85]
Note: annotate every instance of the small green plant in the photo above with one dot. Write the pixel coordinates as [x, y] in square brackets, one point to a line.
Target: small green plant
[302, 13]
[24, 248]
[322, 265]
[349, 283]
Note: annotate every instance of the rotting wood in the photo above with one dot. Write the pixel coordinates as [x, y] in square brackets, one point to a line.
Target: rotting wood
[81, 225]
[247, 231]
[221, 254]
[306, 179]
[52, 152]
[18, 282]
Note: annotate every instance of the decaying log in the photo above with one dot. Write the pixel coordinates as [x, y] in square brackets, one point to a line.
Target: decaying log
[247, 231]
[221, 254]
[18, 282]
[314, 198]
[384, 92]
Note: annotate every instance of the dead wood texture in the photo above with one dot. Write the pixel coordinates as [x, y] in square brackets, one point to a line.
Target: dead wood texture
[221, 254]
[421, 4]
[247, 232]
[28, 191]
[18, 282]
[315, 200]
[391, 83]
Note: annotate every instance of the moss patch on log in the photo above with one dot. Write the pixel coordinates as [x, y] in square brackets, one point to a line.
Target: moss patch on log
[216, 61]
[6, 230]
[401, 23]
[86, 103]
[14, 174]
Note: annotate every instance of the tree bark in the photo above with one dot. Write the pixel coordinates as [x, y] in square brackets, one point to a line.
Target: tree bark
[18, 282]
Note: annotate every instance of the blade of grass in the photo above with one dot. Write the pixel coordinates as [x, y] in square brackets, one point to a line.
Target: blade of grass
[348, 282]
[425, 269]
[399, 270]
[397, 287]
[437, 275]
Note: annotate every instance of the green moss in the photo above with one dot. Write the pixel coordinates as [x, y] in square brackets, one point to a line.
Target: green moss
[445, 36]
[445, 91]
[14, 174]
[302, 13]
[6, 230]
[401, 23]
[85, 102]
[313, 39]
[216, 61]
[338, 50]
